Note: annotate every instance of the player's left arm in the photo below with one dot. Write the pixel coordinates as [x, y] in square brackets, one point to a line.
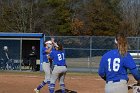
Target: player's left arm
[135, 73]
[131, 65]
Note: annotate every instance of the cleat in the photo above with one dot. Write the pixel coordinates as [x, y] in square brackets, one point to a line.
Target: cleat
[36, 91]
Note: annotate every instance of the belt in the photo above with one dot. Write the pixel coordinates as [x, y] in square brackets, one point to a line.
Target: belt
[45, 62]
[59, 65]
[114, 81]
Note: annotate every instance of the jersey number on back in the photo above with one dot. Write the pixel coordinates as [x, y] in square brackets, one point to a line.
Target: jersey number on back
[60, 56]
[116, 64]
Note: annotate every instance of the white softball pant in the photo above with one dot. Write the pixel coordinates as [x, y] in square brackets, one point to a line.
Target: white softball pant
[59, 73]
[47, 70]
[116, 87]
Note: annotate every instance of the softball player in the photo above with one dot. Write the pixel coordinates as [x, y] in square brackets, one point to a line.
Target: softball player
[113, 67]
[60, 69]
[45, 66]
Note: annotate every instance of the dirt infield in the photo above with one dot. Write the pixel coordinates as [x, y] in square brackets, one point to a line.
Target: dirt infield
[25, 82]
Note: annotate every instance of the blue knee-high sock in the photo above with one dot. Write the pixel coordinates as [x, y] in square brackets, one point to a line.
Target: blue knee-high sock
[52, 86]
[62, 88]
[41, 85]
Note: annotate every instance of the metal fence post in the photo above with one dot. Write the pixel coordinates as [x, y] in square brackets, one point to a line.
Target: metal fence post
[90, 58]
[138, 45]
[138, 53]
[20, 53]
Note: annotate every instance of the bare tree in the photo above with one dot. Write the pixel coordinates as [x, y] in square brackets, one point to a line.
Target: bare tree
[14, 15]
[131, 16]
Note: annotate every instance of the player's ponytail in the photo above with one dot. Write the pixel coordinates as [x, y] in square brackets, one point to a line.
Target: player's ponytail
[60, 47]
[122, 44]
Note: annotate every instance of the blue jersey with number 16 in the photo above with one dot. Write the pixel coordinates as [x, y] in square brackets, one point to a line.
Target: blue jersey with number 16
[114, 66]
[58, 57]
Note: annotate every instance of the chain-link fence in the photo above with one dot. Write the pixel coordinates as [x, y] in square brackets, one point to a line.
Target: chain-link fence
[83, 53]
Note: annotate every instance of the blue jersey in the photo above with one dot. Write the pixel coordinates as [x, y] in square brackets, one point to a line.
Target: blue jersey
[45, 59]
[114, 67]
[58, 57]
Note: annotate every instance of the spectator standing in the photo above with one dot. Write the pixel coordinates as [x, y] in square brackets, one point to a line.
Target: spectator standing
[33, 58]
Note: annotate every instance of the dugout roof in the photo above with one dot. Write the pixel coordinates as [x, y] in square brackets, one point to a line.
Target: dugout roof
[37, 35]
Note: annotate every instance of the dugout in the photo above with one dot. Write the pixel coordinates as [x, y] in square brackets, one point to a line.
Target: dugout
[19, 46]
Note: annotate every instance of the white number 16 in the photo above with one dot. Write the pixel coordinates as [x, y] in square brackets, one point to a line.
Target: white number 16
[116, 64]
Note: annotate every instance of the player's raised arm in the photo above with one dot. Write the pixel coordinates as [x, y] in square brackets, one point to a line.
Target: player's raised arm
[54, 43]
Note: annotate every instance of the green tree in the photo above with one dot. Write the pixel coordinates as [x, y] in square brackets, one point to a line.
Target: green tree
[59, 20]
[104, 17]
